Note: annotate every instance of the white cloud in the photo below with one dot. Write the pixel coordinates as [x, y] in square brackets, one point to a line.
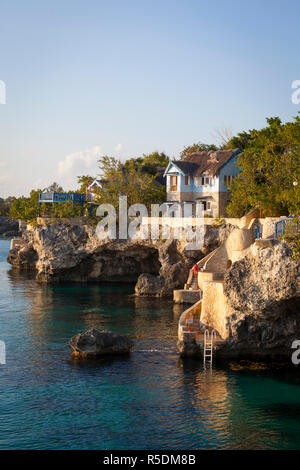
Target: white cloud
[76, 164]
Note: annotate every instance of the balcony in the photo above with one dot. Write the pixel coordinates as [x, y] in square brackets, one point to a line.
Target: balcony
[62, 197]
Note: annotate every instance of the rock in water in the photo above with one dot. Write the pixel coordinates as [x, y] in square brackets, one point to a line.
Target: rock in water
[94, 343]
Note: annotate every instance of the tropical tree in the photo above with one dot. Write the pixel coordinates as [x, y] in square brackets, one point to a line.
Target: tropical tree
[5, 205]
[128, 180]
[54, 188]
[84, 181]
[240, 141]
[150, 163]
[25, 208]
[196, 147]
[270, 171]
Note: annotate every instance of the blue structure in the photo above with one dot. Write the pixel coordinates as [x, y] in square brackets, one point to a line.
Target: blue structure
[280, 227]
[53, 198]
[257, 231]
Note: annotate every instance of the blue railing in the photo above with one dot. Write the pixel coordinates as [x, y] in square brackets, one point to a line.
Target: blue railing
[281, 226]
[257, 231]
[62, 197]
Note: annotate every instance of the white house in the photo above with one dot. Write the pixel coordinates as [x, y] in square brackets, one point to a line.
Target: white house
[203, 178]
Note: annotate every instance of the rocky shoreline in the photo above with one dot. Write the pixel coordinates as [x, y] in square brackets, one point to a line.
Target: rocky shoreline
[261, 290]
[72, 252]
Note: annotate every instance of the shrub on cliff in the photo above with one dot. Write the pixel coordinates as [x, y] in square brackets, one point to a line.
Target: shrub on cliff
[25, 208]
[292, 237]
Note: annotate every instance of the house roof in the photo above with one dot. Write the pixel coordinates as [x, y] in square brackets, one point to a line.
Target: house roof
[97, 182]
[210, 163]
[187, 167]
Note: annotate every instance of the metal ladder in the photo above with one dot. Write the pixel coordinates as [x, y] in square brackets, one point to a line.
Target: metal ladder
[209, 340]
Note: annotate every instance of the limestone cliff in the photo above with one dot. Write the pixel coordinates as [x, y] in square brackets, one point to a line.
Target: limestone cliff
[263, 294]
[72, 252]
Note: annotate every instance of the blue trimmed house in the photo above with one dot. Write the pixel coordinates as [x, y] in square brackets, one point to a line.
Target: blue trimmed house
[203, 178]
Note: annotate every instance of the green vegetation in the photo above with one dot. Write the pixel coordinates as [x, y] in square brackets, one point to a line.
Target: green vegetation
[5, 206]
[149, 163]
[269, 177]
[131, 180]
[53, 188]
[296, 247]
[270, 170]
[136, 179]
[292, 236]
[197, 147]
[25, 208]
[84, 181]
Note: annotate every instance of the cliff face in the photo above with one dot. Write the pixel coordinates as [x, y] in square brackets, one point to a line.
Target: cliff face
[263, 293]
[61, 252]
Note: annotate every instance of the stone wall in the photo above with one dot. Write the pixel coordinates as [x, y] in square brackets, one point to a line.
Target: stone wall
[215, 309]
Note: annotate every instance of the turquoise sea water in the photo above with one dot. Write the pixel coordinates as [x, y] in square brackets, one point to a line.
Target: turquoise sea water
[150, 400]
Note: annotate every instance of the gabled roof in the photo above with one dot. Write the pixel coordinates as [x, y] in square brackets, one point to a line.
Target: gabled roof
[211, 162]
[184, 167]
[97, 182]
[208, 163]
[187, 167]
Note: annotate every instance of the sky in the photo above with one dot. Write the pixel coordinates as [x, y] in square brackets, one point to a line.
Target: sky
[89, 78]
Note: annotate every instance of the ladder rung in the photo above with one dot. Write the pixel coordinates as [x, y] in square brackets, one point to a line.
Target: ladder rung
[208, 346]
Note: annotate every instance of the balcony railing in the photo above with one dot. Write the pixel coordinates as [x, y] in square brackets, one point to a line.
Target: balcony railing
[62, 197]
[290, 225]
[173, 188]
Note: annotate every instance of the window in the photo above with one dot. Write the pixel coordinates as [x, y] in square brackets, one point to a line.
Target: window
[186, 180]
[206, 205]
[205, 180]
[228, 179]
[202, 181]
[173, 183]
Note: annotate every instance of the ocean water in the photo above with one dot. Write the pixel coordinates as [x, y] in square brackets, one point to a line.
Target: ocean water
[149, 400]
